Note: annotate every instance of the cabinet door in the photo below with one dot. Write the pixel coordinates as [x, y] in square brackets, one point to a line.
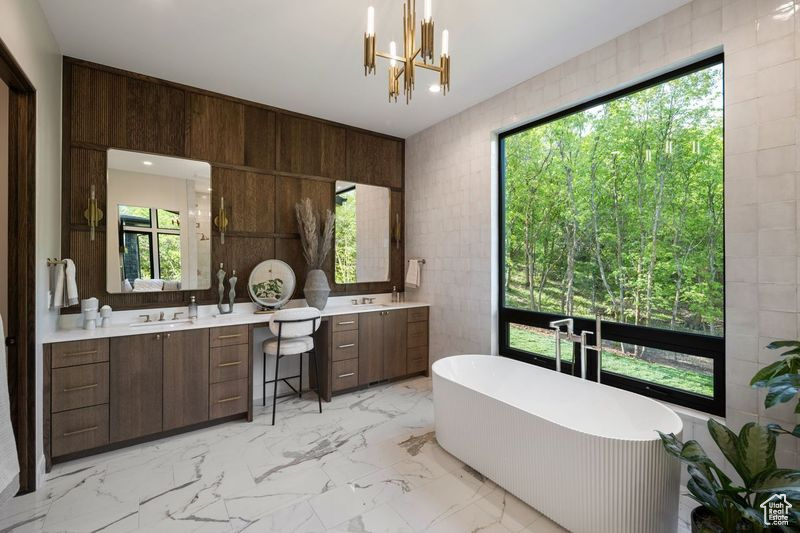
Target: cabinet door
[185, 379]
[135, 386]
[370, 347]
[394, 343]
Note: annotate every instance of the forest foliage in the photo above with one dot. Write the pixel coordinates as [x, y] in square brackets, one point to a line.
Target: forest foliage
[618, 209]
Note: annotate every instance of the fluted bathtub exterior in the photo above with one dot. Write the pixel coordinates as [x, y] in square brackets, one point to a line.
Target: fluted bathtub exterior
[586, 455]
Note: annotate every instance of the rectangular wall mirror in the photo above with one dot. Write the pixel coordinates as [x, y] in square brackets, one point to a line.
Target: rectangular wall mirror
[158, 213]
[363, 233]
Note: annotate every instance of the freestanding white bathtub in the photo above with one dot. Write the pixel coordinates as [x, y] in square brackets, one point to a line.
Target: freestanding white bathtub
[584, 454]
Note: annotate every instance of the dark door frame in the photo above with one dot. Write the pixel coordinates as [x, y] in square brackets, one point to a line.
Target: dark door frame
[21, 337]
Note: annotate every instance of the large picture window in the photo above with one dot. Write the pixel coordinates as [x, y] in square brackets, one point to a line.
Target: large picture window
[615, 208]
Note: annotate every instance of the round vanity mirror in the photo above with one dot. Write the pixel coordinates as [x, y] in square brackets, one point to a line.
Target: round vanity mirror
[271, 284]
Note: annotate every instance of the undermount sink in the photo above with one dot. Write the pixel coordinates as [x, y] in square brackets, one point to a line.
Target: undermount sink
[162, 323]
[369, 306]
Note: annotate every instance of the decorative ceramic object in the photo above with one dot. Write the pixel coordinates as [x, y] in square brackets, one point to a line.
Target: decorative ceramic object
[317, 289]
[89, 310]
[105, 316]
[316, 239]
[221, 291]
[271, 284]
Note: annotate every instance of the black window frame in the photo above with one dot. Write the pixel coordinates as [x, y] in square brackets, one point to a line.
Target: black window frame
[707, 346]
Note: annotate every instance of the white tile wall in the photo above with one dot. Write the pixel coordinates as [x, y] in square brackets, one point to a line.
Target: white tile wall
[451, 175]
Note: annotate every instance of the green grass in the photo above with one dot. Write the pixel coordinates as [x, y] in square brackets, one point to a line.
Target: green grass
[677, 378]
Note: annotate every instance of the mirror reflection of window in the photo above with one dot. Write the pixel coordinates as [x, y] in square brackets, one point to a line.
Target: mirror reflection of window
[163, 220]
[152, 244]
[346, 235]
[363, 233]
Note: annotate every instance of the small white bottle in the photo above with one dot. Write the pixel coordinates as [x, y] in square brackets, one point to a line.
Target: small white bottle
[395, 295]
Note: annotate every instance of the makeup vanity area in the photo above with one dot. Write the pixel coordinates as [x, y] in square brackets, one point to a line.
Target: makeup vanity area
[155, 198]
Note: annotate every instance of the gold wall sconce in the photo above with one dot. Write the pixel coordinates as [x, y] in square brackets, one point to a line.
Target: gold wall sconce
[93, 214]
[221, 221]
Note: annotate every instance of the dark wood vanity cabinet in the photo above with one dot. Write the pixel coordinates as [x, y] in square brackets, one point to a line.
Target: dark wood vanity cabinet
[394, 343]
[136, 386]
[103, 393]
[185, 378]
[370, 347]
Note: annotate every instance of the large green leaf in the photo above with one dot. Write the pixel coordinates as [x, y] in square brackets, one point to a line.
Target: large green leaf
[782, 389]
[783, 344]
[704, 489]
[780, 481]
[762, 377]
[671, 444]
[726, 440]
[756, 447]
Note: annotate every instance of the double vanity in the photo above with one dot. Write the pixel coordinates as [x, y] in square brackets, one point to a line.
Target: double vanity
[112, 387]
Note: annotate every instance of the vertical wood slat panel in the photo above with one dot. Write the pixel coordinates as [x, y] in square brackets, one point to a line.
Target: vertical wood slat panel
[374, 160]
[259, 138]
[155, 118]
[216, 130]
[98, 107]
[310, 147]
[249, 199]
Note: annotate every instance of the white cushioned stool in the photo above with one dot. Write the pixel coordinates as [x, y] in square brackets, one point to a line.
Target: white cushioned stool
[294, 335]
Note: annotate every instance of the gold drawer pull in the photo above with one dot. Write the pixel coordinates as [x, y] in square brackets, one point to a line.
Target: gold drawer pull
[347, 375]
[231, 399]
[78, 354]
[82, 387]
[232, 363]
[346, 323]
[347, 345]
[78, 432]
[221, 337]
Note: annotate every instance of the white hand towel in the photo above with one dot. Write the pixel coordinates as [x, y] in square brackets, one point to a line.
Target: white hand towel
[58, 286]
[72, 285]
[413, 274]
[9, 465]
[65, 292]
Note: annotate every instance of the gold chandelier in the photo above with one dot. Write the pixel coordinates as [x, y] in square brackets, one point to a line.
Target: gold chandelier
[404, 65]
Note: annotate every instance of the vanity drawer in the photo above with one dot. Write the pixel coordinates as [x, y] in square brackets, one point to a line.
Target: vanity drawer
[417, 334]
[79, 429]
[229, 335]
[227, 398]
[228, 362]
[344, 374]
[79, 352]
[344, 322]
[418, 314]
[345, 345]
[417, 360]
[79, 386]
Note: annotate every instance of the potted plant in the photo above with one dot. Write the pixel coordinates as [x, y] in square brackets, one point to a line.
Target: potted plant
[316, 241]
[728, 505]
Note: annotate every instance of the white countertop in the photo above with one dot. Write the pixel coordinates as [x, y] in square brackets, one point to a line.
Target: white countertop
[243, 313]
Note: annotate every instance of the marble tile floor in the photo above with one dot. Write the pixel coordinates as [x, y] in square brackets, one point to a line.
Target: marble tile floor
[368, 463]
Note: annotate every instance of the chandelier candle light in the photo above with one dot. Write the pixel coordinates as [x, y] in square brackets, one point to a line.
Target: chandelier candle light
[403, 65]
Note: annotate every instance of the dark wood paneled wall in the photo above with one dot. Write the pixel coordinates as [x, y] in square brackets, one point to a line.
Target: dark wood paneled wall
[263, 161]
